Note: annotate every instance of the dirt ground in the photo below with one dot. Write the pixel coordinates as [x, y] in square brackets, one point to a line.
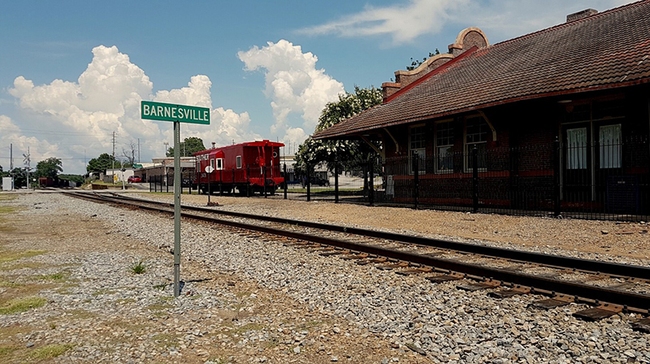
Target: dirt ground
[54, 333]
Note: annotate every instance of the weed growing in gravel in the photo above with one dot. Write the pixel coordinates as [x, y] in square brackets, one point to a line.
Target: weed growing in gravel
[50, 351]
[138, 268]
[56, 276]
[21, 305]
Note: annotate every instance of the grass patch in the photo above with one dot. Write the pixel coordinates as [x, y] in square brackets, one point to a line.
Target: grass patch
[160, 306]
[6, 352]
[56, 276]
[80, 314]
[7, 209]
[165, 340]
[104, 291]
[50, 351]
[67, 288]
[247, 328]
[138, 268]
[17, 305]
[8, 284]
[9, 256]
[124, 301]
[22, 265]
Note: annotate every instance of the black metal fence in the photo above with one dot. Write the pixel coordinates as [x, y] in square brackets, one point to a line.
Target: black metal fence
[599, 180]
[165, 183]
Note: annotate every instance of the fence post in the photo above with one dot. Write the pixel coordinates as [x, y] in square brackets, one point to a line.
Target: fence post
[308, 183]
[371, 183]
[336, 182]
[475, 178]
[284, 168]
[248, 180]
[416, 179]
[557, 188]
[264, 178]
[221, 182]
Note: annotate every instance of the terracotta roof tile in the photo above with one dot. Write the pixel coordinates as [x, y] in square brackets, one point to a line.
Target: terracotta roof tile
[607, 50]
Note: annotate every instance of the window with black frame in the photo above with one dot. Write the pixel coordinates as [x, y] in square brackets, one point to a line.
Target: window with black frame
[417, 146]
[444, 145]
[476, 134]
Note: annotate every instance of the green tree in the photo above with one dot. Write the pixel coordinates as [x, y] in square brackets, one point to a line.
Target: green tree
[50, 168]
[188, 147]
[347, 155]
[20, 177]
[102, 163]
[72, 177]
[416, 63]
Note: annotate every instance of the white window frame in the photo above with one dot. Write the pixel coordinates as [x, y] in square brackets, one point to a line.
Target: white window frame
[576, 151]
[444, 143]
[475, 138]
[219, 164]
[610, 149]
[418, 145]
[238, 161]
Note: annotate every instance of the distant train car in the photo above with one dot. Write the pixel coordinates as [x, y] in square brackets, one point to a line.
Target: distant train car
[245, 168]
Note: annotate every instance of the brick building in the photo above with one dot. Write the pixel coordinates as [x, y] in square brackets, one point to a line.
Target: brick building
[556, 120]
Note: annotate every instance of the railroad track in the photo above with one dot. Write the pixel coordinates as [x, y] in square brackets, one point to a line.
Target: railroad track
[609, 288]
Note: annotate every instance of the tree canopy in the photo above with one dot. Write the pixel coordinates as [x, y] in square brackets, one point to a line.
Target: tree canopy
[50, 168]
[345, 154]
[102, 163]
[188, 147]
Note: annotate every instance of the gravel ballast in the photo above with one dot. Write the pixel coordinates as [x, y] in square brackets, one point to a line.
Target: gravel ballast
[249, 301]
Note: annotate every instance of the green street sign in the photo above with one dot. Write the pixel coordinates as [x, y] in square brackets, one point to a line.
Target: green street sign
[171, 112]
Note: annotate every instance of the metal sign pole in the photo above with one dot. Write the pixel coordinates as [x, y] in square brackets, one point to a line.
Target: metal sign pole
[177, 209]
[152, 110]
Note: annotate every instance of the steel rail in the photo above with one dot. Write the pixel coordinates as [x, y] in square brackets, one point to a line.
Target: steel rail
[615, 269]
[628, 299]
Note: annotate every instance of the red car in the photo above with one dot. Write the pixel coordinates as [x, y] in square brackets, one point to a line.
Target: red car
[134, 179]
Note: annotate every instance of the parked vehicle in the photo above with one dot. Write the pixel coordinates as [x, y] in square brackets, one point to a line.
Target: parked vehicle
[134, 179]
[317, 181]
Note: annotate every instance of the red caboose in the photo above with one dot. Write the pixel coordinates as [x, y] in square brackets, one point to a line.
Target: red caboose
[248, 167]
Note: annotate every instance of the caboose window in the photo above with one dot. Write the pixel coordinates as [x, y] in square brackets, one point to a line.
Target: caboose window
[219, 164]
[238, 162]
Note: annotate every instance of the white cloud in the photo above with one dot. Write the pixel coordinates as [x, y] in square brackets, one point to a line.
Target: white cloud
[294, 85]
[37, 149]
[83, 115]
[402, 23]
[506, 19]
[501, 19]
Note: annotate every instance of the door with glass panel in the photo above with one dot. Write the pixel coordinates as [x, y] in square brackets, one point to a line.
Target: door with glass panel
[577, 169]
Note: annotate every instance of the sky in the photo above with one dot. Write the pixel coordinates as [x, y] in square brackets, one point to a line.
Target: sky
[73, 72]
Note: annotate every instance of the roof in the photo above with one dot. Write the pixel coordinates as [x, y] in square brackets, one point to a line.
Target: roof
[606, 50]
[257, 143]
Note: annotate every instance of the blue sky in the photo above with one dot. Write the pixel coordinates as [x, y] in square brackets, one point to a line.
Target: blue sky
[74, 72]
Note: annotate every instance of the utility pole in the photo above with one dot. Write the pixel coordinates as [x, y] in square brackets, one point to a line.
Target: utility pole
[27, 162]
[11, 157]
[138, 150]
[113, 171]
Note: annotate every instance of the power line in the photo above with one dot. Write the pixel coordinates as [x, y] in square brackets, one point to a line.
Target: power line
[52, 132]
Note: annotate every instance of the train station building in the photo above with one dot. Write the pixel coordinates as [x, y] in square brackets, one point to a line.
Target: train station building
[556, 120]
